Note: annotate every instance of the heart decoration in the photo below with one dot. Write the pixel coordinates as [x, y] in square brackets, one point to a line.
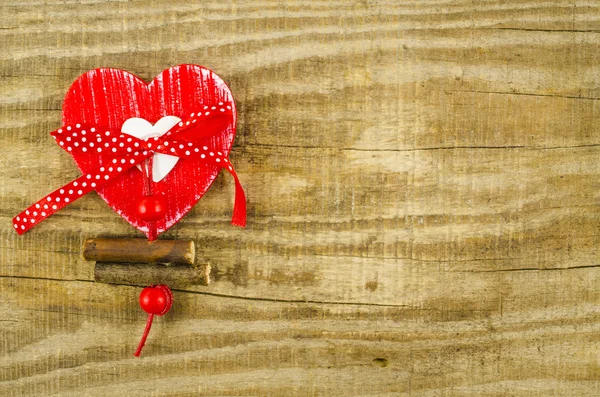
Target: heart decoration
[143, 129]
[167, 140]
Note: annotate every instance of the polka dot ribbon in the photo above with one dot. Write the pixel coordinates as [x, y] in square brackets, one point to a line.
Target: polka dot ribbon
[122, 152]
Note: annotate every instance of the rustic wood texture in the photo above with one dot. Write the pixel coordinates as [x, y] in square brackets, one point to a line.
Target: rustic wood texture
[143, 274]
[422, 181]
[138, 250]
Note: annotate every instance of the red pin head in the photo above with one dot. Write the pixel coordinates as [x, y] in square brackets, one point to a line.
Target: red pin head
[151, 208]
[154, 300]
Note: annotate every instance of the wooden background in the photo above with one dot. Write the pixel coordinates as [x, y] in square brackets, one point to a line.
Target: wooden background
[422, 181]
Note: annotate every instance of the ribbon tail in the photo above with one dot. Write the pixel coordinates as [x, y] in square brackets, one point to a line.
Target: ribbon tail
[65, 195]
[239, 206]
[52, 203]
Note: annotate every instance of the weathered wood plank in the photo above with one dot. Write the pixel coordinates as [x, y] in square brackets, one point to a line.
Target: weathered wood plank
[213, 345]
[422, 184]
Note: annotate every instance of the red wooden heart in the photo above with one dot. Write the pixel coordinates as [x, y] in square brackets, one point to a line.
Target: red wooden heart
[109, 97]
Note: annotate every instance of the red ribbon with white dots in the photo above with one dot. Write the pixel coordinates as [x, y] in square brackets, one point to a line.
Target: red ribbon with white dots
[122, 152]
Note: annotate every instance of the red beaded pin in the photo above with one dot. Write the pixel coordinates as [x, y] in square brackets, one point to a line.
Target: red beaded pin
[151, 208]
[154, 300]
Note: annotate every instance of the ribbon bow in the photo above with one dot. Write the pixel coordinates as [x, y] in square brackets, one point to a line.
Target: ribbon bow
[119, 152]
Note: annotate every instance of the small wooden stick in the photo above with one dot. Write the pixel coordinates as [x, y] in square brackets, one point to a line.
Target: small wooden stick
[143, 274]
[139, 250]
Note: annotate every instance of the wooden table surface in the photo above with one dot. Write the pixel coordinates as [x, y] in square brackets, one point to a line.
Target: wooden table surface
[422, 182]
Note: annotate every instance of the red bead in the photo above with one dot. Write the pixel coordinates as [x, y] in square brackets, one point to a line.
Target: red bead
[151, 208]
[156, 299]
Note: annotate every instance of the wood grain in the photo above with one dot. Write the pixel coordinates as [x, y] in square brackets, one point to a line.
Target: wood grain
[422, 183]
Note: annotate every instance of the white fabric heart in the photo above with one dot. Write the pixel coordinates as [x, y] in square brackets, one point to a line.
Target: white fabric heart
[143, 129]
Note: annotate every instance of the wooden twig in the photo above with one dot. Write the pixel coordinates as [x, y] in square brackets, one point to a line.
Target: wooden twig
[144, 274]
[135, 250]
